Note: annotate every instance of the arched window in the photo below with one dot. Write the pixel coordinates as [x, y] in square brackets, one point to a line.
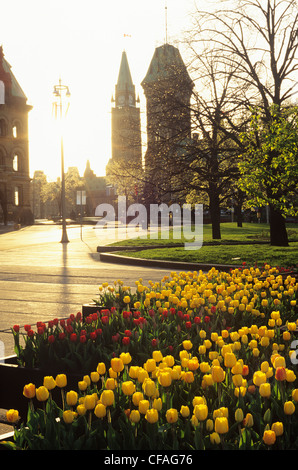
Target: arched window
[2, 92]
[16, 130]
[16, 162]
[16, 196]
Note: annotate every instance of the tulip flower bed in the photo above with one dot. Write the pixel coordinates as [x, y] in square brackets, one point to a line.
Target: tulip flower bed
[196, 361]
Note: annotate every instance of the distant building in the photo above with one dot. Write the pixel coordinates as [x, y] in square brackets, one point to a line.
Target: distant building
[96, 190]
[14, 149]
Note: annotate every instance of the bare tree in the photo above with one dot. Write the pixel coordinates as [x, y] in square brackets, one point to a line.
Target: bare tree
[259, 41]
[218, 117]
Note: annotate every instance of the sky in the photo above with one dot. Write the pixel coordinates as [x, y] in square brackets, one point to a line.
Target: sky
[81, 43]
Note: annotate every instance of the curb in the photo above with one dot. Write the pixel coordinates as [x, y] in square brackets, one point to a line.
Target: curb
[109, 248]
[163, 264]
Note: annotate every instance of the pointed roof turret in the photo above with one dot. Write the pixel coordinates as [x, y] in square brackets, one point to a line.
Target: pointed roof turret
[9, 79]
[124, 82]
[166, 64]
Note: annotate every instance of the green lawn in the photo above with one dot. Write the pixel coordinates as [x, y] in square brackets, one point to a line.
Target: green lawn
[224, 252]
[234, 255]
[229, 233]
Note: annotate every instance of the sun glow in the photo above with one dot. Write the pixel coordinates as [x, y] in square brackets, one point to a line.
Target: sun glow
[83, 46]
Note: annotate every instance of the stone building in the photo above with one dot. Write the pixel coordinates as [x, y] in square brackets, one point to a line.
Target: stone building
[167, 88]
[14, 149]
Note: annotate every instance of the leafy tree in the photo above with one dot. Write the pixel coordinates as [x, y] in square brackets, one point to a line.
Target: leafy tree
[269, 171]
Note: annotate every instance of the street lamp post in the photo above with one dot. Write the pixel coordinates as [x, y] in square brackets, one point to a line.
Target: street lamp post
[60, 91]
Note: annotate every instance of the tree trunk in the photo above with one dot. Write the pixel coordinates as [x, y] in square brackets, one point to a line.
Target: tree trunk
[215, 214]
[278, 231]
[239, 215]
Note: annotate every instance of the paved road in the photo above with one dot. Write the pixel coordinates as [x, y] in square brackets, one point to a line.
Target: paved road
[41, 278]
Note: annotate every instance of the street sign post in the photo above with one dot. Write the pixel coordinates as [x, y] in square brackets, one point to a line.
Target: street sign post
[81, 201]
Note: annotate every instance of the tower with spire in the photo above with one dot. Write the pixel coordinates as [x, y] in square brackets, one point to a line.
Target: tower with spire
[126, 121]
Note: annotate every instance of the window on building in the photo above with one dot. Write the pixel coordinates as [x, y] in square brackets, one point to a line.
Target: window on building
[16, 130]
[2, 92]
[16, 196]
[15, 163]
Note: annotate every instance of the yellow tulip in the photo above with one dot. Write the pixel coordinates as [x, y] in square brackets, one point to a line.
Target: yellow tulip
[111, 383]
[221, 425]
[204, 367]
[188, 377]
[49, 382]
[42, 393]
[12, 416]
[86, 379]
[133, 372]
[136, 397]
[269, 437]
[184, 411]
[237, 368]
[81, 410]
[295, 394]
[144, 406]
[215, 438]
[61, 380]
[171, 415]
[237, 380]
[265, 389]
[169, 360]
[94, 376]
[187, 345]
[248, 420]
[259, 377]
[165, 379]
[89, 402]
[117, 364]
[125, 358]
[279, 362]
[209, 425]
[82, 384]
[278, 428]
[157, 356]
[201, 412]
[289, 408]
[68, 416]
[100, 410]
[134, 416]
[101, 368]
[128, 387]
[217, 373]
[157, 404]
[290, 375]
[149, 387]
[151, 415]
[150, 365]
[107, 397]
[239, 415]
[29, 391]
[71, 398]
